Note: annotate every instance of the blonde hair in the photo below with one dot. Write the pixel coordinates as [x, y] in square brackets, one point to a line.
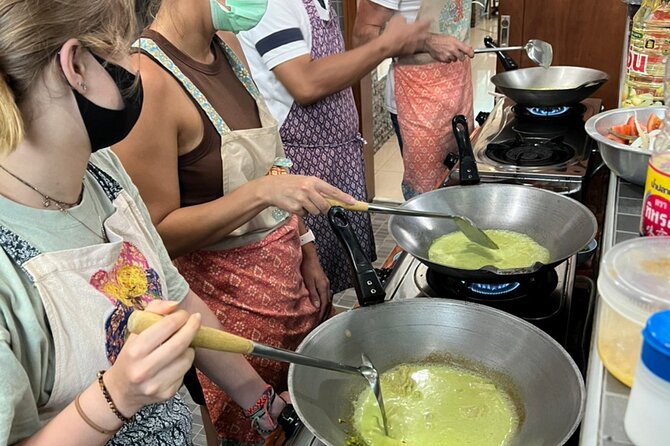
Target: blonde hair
[31, 34]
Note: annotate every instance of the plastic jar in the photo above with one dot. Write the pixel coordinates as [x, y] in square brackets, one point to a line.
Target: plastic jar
[648, 411]
[634, 283]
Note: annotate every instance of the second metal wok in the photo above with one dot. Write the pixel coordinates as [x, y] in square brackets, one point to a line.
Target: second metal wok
[545, 87]
[549, 87]
[560, 224]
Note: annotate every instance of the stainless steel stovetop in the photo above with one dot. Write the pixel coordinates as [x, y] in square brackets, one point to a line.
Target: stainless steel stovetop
[503, 125]
[408, 280]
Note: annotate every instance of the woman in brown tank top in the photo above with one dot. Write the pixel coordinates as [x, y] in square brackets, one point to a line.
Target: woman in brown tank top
[200, 154]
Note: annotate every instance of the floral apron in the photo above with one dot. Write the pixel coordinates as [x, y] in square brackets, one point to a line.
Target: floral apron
[428, 95]
[98, 287]
[322, 140]
[251, 280]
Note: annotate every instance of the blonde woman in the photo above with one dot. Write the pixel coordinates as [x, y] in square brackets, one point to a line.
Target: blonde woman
[79, 253]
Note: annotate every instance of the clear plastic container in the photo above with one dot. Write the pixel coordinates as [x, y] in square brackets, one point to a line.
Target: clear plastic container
[634, 283]
[648, 410]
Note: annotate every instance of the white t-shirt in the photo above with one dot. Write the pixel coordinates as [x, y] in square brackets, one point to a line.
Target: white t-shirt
[283, 34]
[409, 10]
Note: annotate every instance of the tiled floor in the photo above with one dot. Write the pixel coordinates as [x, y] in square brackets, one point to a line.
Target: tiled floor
[388, 164]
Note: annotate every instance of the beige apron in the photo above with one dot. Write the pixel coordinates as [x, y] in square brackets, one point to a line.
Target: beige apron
[246, 154]
[438, 12]
[88, 294]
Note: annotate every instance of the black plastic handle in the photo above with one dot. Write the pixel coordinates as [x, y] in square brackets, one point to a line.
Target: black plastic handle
[289, 421]
[369, 289]
[507, 62]
[467, 170]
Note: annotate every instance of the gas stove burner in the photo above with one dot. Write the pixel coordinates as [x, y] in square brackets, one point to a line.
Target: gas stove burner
[534, 298]
[547, 111]
[531, 152]
[489, 289]
[563, 111]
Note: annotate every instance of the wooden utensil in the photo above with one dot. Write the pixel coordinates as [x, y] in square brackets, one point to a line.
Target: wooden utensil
[219, 340]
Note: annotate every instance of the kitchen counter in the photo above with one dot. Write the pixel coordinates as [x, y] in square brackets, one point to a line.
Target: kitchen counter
[606, 397]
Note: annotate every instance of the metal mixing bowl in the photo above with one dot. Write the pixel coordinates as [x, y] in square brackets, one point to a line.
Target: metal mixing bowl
[627, 163]
[544, 380]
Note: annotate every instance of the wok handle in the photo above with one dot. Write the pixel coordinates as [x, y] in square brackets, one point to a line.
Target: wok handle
[496, 49]
[507, 62]
[206, 337]
[468, 166]
[369, 289]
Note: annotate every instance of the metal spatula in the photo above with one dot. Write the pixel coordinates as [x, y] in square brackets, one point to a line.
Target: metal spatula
[213, 339]
[466, 225]
[539, 51]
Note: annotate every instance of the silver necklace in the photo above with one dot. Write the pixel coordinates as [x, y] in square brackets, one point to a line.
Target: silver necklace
[63, 206]
[102, 235]
[47, 201]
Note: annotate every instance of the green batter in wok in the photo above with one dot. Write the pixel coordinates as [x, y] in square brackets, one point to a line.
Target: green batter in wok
[516, 250]
[436, 405]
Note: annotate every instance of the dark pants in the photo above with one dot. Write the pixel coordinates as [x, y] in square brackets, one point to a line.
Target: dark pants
[193, 386]
[396, 129]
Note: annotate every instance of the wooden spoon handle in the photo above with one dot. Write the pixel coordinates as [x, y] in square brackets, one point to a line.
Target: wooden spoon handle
[206, 337]
[359, 206]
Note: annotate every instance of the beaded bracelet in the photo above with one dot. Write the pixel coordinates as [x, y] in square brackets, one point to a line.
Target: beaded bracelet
[261, 410]
[267, 394]
[109, 400]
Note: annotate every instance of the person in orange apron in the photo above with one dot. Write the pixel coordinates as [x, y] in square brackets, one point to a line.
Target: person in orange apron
[430, 87]
[207, 158]
[78, 252]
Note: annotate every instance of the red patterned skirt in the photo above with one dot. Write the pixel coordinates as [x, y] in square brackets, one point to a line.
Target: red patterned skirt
[428, 97]
[256, 291]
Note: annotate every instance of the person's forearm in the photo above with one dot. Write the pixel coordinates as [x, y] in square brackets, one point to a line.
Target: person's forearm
[331, 74]
[68, 428]
[230, 371]
[190, 228]
[365, 33]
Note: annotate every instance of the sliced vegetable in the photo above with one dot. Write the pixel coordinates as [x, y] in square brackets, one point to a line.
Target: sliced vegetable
[654, 122]
[623, 129]
[636, 134]
[628, 138]
[616, 139]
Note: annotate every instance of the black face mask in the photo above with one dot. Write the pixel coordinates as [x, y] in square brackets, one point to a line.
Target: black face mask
[105, 126]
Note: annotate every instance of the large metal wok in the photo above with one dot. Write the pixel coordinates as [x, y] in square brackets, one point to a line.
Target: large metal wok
[545, 87]
[545, 383]
[549, 87]
[560, 224]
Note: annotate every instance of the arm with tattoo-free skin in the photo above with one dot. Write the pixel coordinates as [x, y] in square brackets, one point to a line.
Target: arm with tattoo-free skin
[309, 80]
[150, 369]
[371, 18]
[150, 155]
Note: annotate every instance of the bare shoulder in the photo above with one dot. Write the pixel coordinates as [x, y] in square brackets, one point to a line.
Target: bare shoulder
[157, 83]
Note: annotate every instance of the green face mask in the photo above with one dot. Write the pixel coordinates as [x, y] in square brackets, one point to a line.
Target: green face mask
[237, 15]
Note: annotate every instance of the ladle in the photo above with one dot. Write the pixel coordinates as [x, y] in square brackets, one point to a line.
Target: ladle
[466, 225]
[214, 339]
[538, 51]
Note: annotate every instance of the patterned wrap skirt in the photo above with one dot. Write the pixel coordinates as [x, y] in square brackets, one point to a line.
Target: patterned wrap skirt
[256, 291]
[428, 97]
